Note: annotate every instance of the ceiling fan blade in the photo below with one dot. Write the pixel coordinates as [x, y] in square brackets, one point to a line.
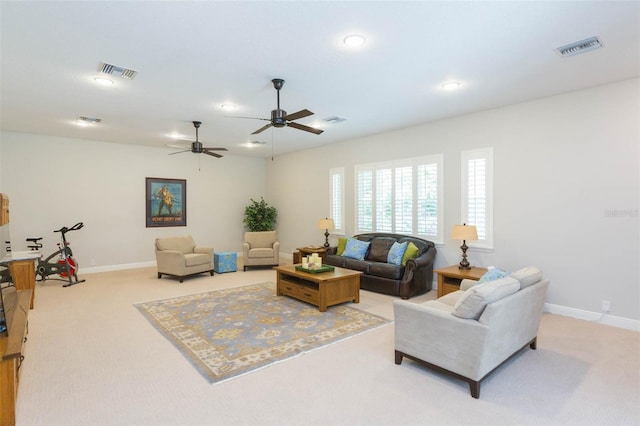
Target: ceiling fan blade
[250, 118]
[305, 128]
[179, 152]
[262, 129]
[300, 114]
[215, 149]
[180, 146]
[213, 154]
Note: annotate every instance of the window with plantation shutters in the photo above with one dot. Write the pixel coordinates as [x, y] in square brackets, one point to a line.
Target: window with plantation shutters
[336, 198]
[403, 197]
[477, 194]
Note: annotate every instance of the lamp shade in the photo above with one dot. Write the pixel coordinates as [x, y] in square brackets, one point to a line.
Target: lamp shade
[326, 224]
[464, 232]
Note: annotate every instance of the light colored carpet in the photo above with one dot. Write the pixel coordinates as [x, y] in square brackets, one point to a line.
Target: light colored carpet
[92, 359]
[227, 333]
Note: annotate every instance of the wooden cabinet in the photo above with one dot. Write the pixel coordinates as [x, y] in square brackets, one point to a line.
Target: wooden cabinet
[4, 209]
[16, 311]
[449, 278]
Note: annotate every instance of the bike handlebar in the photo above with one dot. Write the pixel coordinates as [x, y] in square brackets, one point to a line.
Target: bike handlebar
[75, 227]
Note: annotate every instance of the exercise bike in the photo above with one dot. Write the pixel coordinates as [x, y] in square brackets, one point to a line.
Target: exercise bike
[64, 265]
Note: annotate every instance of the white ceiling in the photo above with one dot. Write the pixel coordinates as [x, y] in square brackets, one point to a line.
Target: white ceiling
[194, 56]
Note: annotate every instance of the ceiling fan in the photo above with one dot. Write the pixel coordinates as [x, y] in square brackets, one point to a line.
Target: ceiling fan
[280, 118]
[196, 146]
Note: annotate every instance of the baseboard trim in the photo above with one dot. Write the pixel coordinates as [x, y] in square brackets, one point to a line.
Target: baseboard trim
[109, 268]
[596, 317]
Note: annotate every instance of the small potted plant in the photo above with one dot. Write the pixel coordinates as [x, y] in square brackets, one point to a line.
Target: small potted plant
[260, 216]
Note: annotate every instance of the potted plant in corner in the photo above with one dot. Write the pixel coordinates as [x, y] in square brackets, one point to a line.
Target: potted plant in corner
[260, 216]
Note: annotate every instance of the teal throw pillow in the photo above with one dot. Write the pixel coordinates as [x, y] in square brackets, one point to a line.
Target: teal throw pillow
[492, 275]
[396, 252]
[355, 249]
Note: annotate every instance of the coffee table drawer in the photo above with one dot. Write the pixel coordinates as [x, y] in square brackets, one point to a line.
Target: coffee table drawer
[299, 291]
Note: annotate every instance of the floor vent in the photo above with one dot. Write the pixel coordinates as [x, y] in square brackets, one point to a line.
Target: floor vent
[116, 71]
[580, 47]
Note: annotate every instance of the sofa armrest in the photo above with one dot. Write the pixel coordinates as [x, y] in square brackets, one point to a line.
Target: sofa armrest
[246, 246]
[170, 261]
[466, 284]
[424, 261]
[438, 337]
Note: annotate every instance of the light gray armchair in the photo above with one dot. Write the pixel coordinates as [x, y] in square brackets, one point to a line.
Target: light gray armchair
[179, 256]
[261, 249]
[471, 332]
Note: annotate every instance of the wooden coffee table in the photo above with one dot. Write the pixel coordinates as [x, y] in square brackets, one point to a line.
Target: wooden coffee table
[322, 289]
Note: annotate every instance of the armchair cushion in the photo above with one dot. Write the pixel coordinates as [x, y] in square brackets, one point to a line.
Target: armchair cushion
[474, 300]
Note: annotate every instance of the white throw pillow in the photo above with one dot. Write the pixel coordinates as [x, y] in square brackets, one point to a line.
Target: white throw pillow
[472, 303]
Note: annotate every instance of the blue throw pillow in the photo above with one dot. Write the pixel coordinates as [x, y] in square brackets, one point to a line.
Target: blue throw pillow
[355, 249]
[492, 275]
[396, 252]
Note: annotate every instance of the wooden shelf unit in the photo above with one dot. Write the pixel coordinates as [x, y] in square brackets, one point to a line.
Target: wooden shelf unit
[449, 278]
[16, 311]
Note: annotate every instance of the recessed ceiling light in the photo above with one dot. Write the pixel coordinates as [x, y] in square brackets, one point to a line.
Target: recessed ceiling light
[175, 135]
[103, 81]
[354, 40]
[228, 107]
[451, 85]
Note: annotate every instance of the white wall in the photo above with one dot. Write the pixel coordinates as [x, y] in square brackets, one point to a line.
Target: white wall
[54, 182]
[563, 164]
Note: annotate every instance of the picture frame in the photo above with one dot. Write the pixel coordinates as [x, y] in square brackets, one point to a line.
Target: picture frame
[166, 202]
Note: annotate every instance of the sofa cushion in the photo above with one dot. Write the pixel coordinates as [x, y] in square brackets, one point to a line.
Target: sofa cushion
[379, 249]
[355, 249]
[357, 265]
[474, 300]
[527, 276]
[410, 253]
[396, 252]
[342, 242]
[335, 260]
[492, 274]
[386, 270]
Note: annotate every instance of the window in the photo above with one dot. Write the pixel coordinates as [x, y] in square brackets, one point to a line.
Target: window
[336, 198]
[477, 194]
[403, 197]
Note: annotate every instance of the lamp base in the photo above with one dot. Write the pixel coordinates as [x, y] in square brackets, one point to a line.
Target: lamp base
[326, 239]
[464, 263]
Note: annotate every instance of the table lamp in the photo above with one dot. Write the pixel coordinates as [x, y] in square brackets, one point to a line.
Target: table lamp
[464, 232]
[326, 224]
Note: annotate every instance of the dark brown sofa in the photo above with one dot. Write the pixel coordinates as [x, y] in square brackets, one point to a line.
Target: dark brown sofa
[413, 279]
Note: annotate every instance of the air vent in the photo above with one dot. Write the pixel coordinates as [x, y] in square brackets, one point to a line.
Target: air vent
[579, 47]
[116, 71]
[334, 119]
[87, 121]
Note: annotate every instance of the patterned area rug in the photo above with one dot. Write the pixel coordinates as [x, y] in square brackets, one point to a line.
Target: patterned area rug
[226, 333]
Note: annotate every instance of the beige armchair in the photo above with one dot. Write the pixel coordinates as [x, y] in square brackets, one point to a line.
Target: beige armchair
[471, 332]
[179, 256]
[260, 249]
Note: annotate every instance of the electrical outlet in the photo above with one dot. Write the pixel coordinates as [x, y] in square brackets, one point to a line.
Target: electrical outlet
[93, 262]
[606, 306]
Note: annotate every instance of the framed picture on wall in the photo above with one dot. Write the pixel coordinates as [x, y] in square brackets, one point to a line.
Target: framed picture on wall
[166, 201]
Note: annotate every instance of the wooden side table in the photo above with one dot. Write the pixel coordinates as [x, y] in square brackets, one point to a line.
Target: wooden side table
[305, 251]
[449, 278]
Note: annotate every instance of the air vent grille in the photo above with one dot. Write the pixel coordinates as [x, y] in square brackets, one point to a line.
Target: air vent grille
[580, 47]
[117, 71]
[89, 120]
[334, 119]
